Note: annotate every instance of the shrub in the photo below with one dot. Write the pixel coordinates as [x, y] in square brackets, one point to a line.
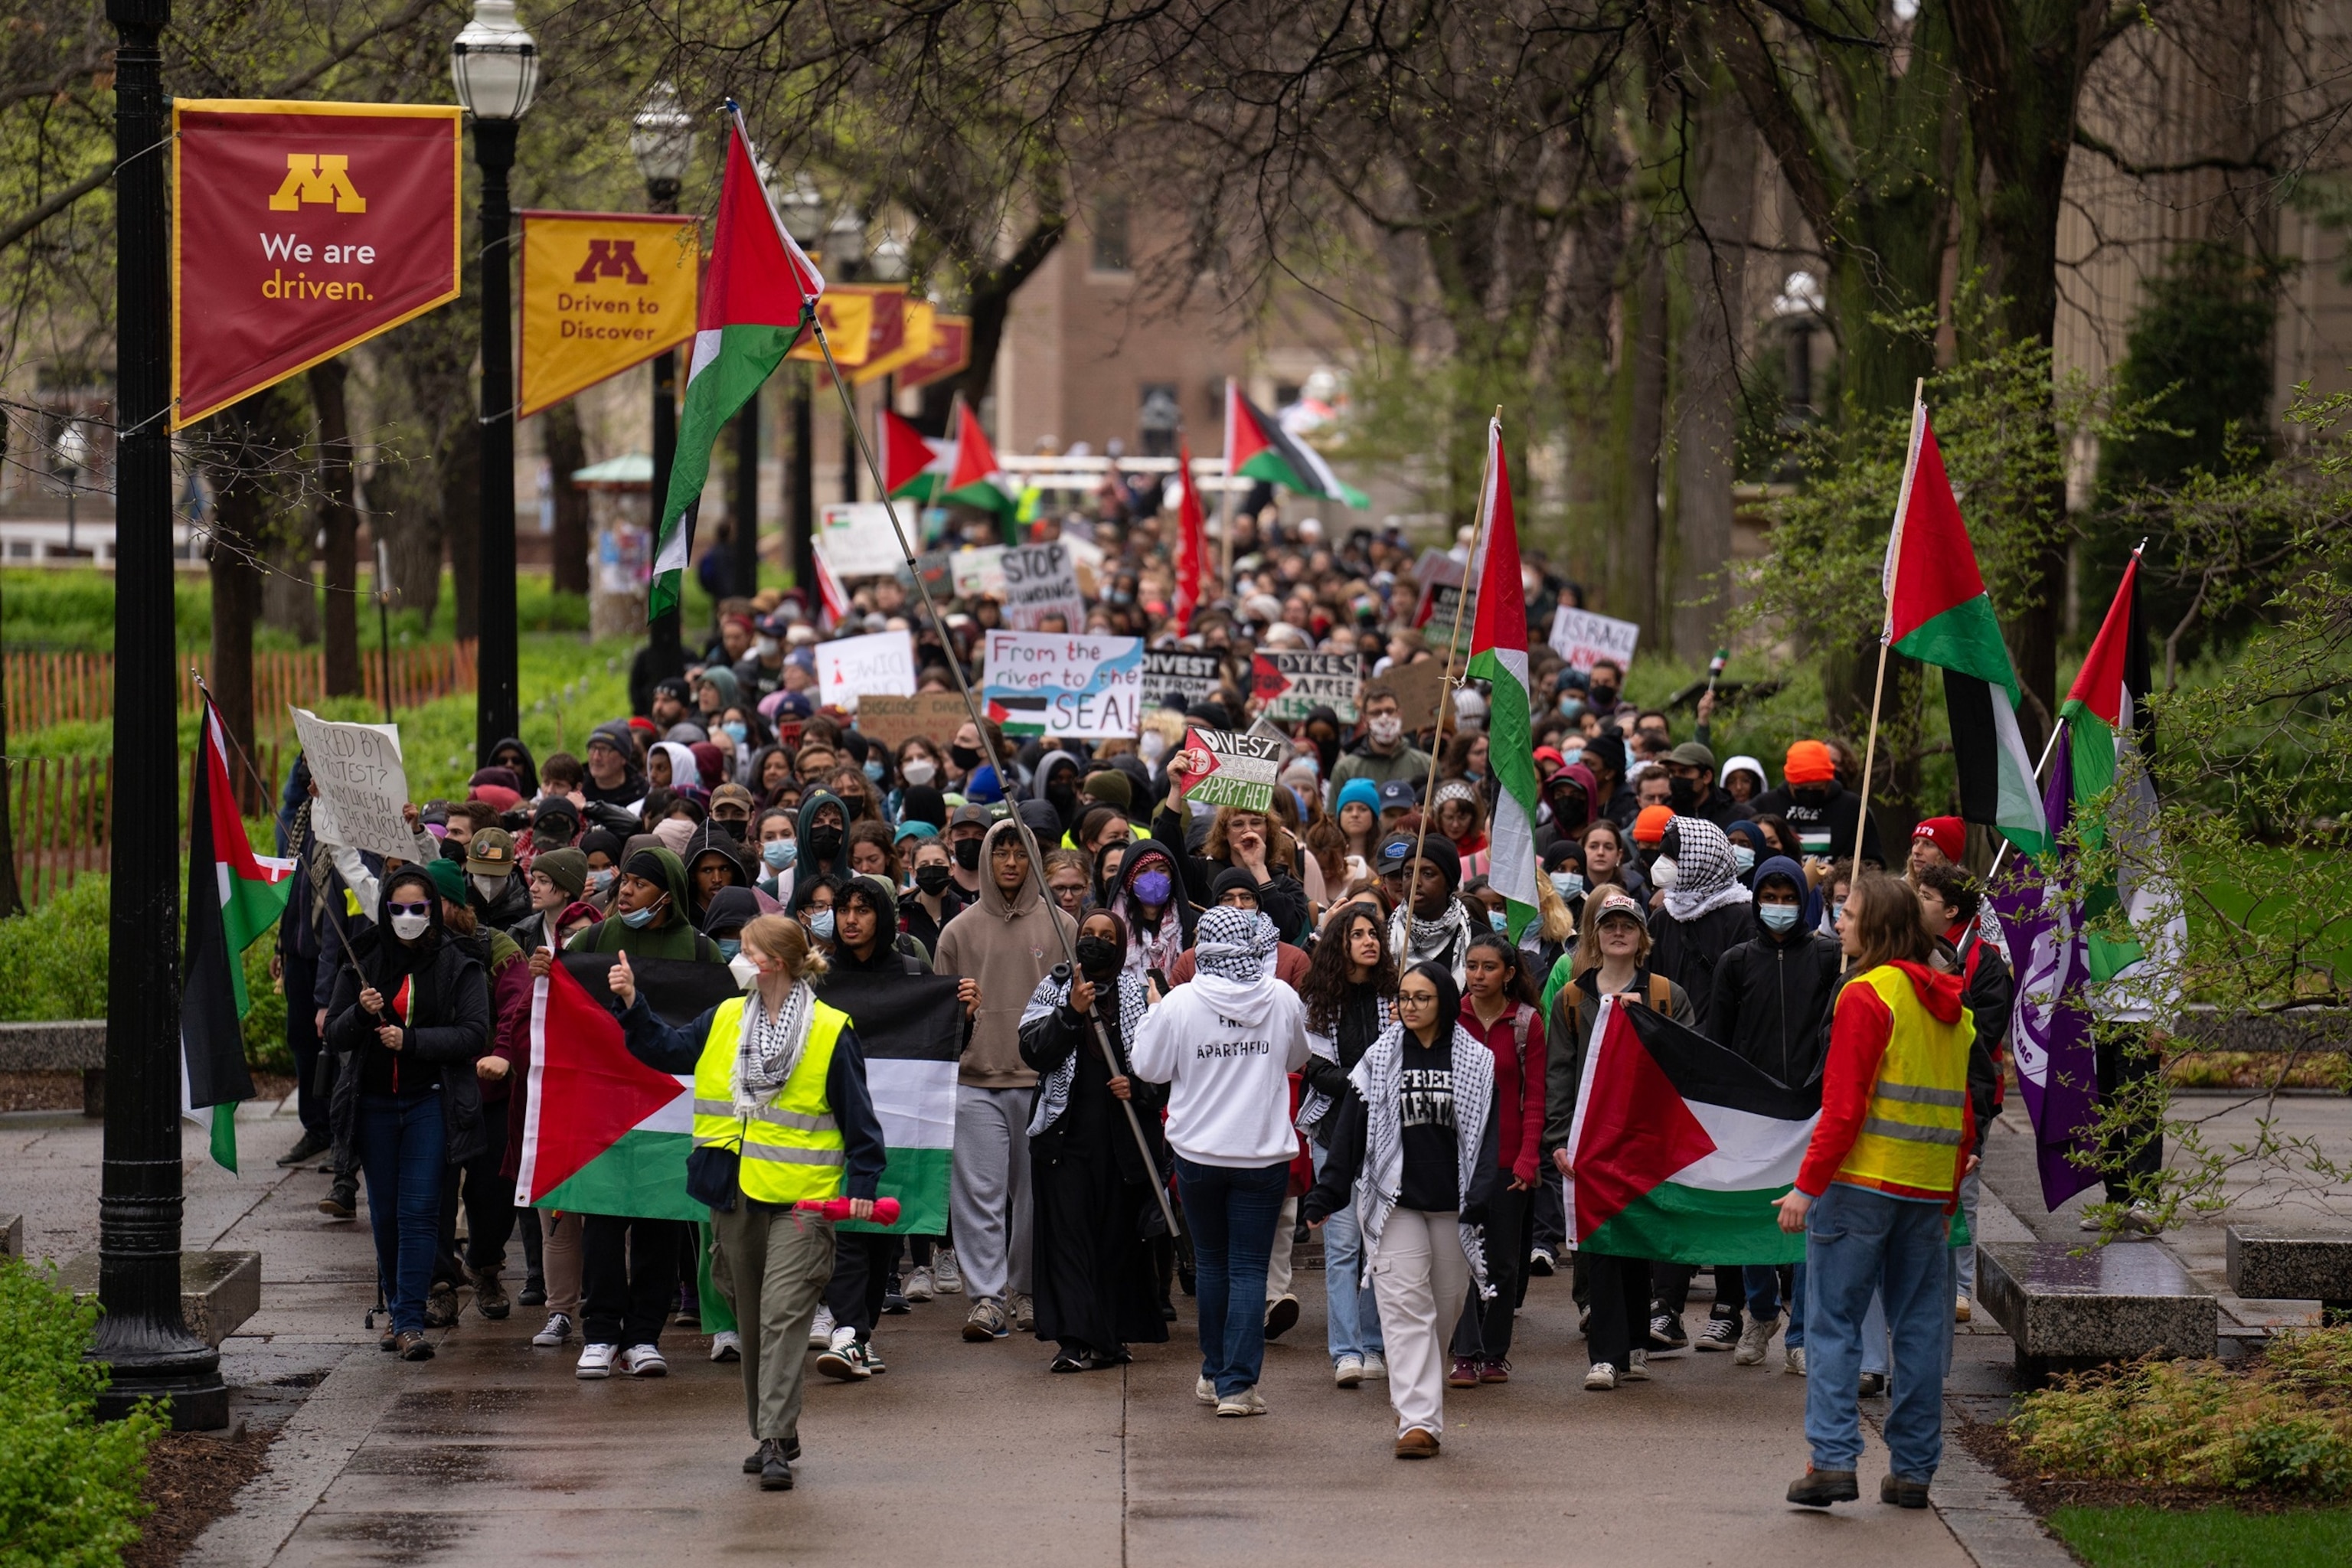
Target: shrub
[68, 1483]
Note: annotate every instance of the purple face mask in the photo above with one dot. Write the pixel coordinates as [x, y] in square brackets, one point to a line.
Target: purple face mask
[1153, 887]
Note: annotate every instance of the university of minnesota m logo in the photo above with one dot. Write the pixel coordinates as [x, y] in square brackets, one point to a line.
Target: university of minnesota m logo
[611, 258]
[318, 178]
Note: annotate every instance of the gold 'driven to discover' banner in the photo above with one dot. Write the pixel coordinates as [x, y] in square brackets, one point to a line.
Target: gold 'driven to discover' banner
[602, 292]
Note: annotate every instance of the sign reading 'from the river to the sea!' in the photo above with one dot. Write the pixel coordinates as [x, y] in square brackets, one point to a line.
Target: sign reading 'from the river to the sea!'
[300, 229]
[601, 292]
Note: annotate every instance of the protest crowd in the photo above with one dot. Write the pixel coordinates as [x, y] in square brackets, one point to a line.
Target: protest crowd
[1200, 946]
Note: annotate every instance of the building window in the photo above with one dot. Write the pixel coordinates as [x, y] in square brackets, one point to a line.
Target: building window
[1160, 416]
[1109, 233]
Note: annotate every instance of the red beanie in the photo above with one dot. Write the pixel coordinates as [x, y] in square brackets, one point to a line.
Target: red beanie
[1809, 762]
[1948, 834]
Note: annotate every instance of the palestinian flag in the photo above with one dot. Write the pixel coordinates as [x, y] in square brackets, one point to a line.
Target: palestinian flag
[758, 293]
[1259, 446]
[1937, 612]
[974, 477]
[910, 1029]
[912, 463]
[234, 898]
[1499, 656]
[2109, 733]
[1191, 545]
[602, 1132]
[1680, 1147]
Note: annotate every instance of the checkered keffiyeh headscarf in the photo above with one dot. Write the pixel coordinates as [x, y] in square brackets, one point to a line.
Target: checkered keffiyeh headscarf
[1236, 944]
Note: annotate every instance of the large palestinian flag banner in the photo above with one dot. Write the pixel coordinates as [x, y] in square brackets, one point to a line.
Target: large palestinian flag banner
[1679, 1147]
[1258, 448]
[910, 1029]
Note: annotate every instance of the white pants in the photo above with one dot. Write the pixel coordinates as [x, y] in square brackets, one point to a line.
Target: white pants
[988, 1190]
[1278, 1262]
[1420, 1279]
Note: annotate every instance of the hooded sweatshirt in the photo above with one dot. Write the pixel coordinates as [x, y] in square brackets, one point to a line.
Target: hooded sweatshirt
[1008, 944]
[1226, 1049]
[671, 933]
[528, 769]
[1771, 998]
[709, 838]
[1859, 1031]
[809, 867]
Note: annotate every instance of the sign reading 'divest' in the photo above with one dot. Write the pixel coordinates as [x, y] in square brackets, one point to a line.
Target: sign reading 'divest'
[361, 784]
[1179, 679]
[297, 230]
[1242, 769]
[1042, 579]
[601, 292]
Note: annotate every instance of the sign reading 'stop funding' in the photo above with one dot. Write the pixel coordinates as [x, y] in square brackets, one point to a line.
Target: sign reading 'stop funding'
[297, 230]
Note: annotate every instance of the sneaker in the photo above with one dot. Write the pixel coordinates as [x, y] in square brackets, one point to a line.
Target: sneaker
[985, 1322]
[1819, 1489]
[491, 1298]
[596, 1361]
[442, 1307]
[727, 1345]
[1281, 1315]
[945, 1276]
[1347, 1371]
[1754, 1340]
[1600, 1379]
[1961, 1310]
[1464, 1374]
[1667, 1334]
[820, 1327]
[840, 1360]
[918, 1286]
[893, 1300]
[534, 1291]
[1902, 1491]
[342, 1201]
[1496, 1370]
[644, 1360]
[1024, 1312]
[1873, 1385]
[1583, 1320]
[310, 1146]
[1720, 1334]
[558, 1330]
[688, 1312]
[1541, 1264]
[1204, 1391]
[870, 1354]
[1637, 1367]
[2143, 1219]
[1792, 1360]
[1376, 1367]
[1244, 1402]
[2093, 1218]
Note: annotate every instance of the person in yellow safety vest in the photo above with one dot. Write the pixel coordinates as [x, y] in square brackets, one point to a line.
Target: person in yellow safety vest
[1876, 1192]
[780, 1116]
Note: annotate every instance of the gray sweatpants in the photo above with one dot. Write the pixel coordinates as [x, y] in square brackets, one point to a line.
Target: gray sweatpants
[989, 1190]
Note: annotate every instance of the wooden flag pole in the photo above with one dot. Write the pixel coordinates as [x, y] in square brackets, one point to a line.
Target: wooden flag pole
[1225, 504]
[1445, 685]
[1878, 686]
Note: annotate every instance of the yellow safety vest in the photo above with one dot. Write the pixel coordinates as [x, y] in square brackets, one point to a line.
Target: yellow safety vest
[792, 1147]
[1910, 1139]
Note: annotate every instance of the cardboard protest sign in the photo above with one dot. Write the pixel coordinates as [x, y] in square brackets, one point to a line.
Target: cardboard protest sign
[858, 541]
[1291, 685]
[1179, 679]
[1582, 637]
[977, 571]
[933, 716]
[1063, 684]
[1419, 685]
[1042, 579]
[1242, 769]
[879, 664]
[361, 782]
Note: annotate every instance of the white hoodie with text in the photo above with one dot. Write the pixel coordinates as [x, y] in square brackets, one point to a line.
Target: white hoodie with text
[1226, 1049]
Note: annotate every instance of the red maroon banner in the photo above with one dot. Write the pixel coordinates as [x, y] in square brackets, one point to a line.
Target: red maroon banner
[300, 229]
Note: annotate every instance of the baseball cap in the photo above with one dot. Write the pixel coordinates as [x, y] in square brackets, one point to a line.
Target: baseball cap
[1398, 794]
[490, 853]
[1692, 755]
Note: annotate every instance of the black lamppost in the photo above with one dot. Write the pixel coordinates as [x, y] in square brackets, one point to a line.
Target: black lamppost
[495, 66]
[804, 212]
[143, 1335]
[661, 140]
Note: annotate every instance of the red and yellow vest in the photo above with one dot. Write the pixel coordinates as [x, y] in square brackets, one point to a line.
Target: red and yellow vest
[1910, 1137]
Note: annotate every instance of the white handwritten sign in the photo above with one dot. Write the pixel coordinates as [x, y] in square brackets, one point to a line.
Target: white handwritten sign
[977, 571]
[858, 541]
[1042, 579]
[1582, 637]
[880, 665]
[1049, 683]
[361, 784]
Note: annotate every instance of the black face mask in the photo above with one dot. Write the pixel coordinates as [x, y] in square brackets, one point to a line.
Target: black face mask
[1097, 956]
[967, 854]
[934, 879]
[824, 843]
[1813, 795]
[1602, 697]
[732, 826]
[1683, 795]
[964, 757]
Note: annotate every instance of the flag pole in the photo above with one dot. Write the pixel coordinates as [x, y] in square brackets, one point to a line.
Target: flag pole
[980, 727]
[1453, 640]
[1885, 625]
[1225, 502]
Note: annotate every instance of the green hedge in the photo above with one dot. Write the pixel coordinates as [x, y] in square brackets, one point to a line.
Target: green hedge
[68, 1483]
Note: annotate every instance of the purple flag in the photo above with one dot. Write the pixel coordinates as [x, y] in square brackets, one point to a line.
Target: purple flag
[2041, 916]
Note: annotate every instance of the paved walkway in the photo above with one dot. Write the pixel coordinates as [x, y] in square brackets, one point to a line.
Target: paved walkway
[493, 1453]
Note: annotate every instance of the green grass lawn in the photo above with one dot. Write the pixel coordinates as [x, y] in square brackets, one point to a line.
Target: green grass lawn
[2209, 1538]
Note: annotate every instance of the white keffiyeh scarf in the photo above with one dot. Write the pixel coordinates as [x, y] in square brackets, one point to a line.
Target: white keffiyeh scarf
[1707, 877]
[1445, 939]
[770, 1048]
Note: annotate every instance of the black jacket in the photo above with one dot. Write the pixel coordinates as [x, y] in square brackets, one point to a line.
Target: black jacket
[1687, 951]
[1990, 995]
[1770, 1003]
[449, 1027]
[1282, 896]
[1335, 1188]
[1833, 814]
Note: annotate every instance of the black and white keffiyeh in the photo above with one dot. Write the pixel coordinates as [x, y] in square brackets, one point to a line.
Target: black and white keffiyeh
[1053, 1089]
[1379, 1078]
[1313, 1105]
[1707, 877]
[1235, 944]
[770, 1048]
[1445, 939]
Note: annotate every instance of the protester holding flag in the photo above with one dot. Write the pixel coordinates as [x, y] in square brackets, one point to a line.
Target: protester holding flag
[1876, 1195]
[411, 1012]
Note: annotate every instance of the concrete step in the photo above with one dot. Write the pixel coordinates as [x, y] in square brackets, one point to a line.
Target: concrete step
[218, 1291]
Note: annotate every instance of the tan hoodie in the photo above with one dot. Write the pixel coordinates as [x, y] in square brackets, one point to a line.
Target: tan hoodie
[1008, 945]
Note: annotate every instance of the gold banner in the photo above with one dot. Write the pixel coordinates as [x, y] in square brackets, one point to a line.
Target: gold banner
[922, 332]
[848, 319]
[602, 292]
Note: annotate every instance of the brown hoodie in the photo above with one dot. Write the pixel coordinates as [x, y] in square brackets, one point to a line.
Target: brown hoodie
[1008, 945]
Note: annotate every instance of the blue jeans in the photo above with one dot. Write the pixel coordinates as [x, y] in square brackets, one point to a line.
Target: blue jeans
[402, 1150]
[1858, 1241]
[1353, 1321]
[1231, 1213]
[1763, 1282]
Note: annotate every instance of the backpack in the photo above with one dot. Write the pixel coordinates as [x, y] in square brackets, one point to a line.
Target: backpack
[1662, 996]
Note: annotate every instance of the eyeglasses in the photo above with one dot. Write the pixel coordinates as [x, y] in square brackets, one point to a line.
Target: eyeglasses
[412, 909]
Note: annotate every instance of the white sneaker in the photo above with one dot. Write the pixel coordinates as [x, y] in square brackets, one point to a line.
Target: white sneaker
[2144, 1219]
[918, 1286]
[1962, 1310]
[644, 1360]
[1243, 1401]
[1376, 1367]
[820, 1327]
[725, 1345]
[1600, 1379]
[1754, 1338]
[841, 1358]
[1347, 1371]
[558, 1330]
[1792, 1360]
[1023, 1312]
[1204, 1391]
[946, 1278]
[1637, 1367]
[596, 1361]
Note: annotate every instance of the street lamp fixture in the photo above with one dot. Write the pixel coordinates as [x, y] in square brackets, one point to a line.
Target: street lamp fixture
[495, 63]
[802, 206]
[72, 455]
[661, 139]
[844, 241]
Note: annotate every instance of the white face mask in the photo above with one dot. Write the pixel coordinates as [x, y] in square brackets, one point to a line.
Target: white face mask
[919, 770]
[1152, 746]
[746, 972]
[1386, 728]
[489, 887]
[769, 647]
[408, 927]
[1664, 872]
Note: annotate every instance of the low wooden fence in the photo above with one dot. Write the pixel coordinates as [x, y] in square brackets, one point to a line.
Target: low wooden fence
[46, 689]
[61, 813]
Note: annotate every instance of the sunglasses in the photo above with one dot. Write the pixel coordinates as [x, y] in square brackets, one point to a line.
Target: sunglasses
[412, 909]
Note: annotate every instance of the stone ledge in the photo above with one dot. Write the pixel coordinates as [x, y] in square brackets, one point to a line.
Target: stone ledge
[2291, 1263]
[218, 1291]
[2204, 1027]
[2111, 1303]
[62, 1045]
[12, 1236]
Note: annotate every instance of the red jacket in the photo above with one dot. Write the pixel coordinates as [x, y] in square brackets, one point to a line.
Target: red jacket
[1519, 1085]
[1859, 1027]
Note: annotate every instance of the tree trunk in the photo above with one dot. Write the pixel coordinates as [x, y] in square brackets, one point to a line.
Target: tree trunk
[461, 477]
[1646, 372]
[290, 595]
[339, 520]
[12, 897]
[253, 440]
[1706, 404]
[567, 454]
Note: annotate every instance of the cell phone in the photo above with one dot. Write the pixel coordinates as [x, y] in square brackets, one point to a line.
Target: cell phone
[1160, 980]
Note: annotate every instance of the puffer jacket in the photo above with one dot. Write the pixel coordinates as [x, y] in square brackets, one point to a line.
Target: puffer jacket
[1770, 1001]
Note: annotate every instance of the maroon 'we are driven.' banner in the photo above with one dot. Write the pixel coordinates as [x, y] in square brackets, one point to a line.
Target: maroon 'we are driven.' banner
[300, 229]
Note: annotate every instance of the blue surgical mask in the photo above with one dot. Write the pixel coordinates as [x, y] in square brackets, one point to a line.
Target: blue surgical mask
[1496, 919]
[637, 919]
[1568, 884]
[820, 924]
[874, 772]
[1837, 911]
[728, 946]
[1777, 917]
[602, 882]
[736, 731]
[780, 853]
[1743, 858]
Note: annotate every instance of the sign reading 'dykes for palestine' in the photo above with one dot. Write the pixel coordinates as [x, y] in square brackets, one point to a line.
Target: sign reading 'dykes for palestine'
[1242, 769]
[601, 292]
[1056, 684]
[1293, 685]
[300, 229]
